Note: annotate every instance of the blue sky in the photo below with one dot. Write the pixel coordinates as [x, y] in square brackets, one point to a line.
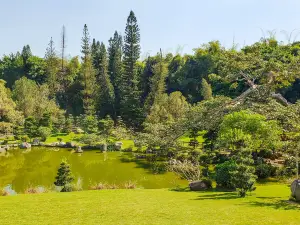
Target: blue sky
[172, 25]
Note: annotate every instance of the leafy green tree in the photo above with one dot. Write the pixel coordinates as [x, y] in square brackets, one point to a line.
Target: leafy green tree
[70, 94]
[168, 109]
[64, 176]
[206, 90]
[33, 100]
[11, 68]
[244, 132]
[115, 68]
[157, 82]
[91, 139]
[44, 132]
[248, 129]
[8, 111]
[131, 110]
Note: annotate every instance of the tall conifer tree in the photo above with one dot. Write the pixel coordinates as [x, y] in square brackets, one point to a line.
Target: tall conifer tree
[131, 110]
[115, 67]
[88, 74]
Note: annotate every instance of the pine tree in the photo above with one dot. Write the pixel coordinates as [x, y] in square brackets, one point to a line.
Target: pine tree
[206, 91]
[131, 109]
[106, 91]
[51, 68]
[243, 175]
[115, 68]
[64, 176]
[88, 74]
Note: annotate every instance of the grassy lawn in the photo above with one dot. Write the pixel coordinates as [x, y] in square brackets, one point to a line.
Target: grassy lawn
[268, 205]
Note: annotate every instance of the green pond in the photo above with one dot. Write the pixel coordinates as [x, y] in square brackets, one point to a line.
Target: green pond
[37, 167]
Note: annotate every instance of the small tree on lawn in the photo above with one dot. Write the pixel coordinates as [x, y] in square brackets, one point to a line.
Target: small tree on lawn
[64, 176]
[243, 176]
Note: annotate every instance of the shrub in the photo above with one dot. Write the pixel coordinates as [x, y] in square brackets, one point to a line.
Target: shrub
[44, 132]
[223, 174]
[68, 188]
[186, 169]
[90, 139]
[158, 167]
[36, 190]
[32, 190]
[3, 192]
[130, 185]
[265, 170]
[98, 186]
[25, 138]
[78, 185]
[113, 186]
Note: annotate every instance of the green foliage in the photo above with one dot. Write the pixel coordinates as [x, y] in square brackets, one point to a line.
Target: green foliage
[87, 74]
[115, 68]
[69, 124]
[64, 176]
[30, 127]
[265, 170]
[89, 123]
[45, 121]
[33, 100]
[9, 116]
[106, 96]
[206, 90]
[224, 177]
[90, 139]
[243, 177]
[131, 109]
[245, 128]
[44, 132]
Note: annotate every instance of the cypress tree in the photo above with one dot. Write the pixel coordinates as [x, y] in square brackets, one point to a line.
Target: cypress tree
[206, 91]
[115, 68]
[131, 110]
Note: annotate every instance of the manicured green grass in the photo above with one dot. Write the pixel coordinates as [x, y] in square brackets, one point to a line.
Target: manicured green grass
[268, 205]
[65, 137]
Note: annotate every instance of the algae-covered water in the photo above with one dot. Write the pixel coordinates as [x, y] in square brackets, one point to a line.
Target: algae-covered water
[38, 167]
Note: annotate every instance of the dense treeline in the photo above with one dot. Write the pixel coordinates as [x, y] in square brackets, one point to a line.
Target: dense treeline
[241, 100]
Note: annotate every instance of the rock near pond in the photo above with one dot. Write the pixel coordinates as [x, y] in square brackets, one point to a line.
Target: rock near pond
[79, 150]
[199, 185]
[295, 189]
[25, 145]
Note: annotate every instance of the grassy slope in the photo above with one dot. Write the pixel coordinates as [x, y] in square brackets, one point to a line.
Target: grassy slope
[267, 205]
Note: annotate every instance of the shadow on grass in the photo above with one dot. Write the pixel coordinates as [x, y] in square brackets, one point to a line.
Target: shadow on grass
[180, 189]
[217, 196]
[278, 204]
